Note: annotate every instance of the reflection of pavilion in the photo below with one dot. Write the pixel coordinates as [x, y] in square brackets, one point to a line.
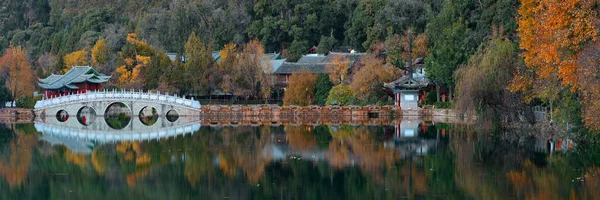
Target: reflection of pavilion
[407, 140]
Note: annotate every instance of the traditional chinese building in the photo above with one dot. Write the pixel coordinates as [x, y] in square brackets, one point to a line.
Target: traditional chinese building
[78, 79]
[407, 89]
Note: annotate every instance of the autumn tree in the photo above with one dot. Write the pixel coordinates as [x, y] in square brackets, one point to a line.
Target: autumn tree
[100, 53]
[77, 58]
[552, 32]
[338, 68]
[300, 89]
[252, 69]
[402, 50]
[226, 66]
[130, 72]
[552, 35]
[17, 72]
[367, 83]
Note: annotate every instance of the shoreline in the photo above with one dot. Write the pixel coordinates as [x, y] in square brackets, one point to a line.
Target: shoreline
[275, 113]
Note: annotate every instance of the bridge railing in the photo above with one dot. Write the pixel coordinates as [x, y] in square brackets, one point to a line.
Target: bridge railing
[118, 94]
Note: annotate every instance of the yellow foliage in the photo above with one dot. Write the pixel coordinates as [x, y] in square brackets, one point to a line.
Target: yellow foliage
[338, 69]
[227, 50]
[124, 74]
[98, 161]
[100, 52]
[143, 159]
[20, 77]
[76, 159]
[77, 58]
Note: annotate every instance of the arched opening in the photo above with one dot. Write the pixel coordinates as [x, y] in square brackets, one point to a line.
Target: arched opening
[117, 115]
[86, 116]
[148, 116]
[62, 116]
[172, 115]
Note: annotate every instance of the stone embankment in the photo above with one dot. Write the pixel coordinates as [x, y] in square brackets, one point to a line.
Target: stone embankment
[16, 115]
[292, 113]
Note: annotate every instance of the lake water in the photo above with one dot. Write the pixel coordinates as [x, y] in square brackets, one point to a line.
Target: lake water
[403, 159]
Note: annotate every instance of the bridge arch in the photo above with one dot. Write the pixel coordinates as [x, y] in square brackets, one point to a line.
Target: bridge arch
[135, 101]
[148, 117]
[62, 115]
[86, 115]
[172, 116]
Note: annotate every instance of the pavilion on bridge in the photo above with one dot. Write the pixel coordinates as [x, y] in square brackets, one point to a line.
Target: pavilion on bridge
[78, 79]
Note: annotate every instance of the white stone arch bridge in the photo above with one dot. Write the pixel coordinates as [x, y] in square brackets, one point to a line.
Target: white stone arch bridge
[99, 101]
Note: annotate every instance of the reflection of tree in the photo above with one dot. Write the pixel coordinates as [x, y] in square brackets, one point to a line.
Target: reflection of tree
[300, 138]
[245, 150]
[236, 162]
[99, 161]
[16, 169]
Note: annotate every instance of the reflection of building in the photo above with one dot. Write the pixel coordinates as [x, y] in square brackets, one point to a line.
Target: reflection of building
[550, 145]
[407, 139]
[78, 79]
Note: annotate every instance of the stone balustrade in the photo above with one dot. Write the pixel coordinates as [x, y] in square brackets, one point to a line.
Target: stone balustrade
[117, 94]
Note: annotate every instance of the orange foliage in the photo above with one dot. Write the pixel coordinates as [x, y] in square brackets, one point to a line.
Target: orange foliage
[17, 168]
[338, 69]
[17, 72]
[300, 138]
[551, 33]
[373, 73]
[300, 89]
[420, 44]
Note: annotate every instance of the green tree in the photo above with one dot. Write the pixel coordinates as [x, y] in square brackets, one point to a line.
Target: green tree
[322, 89]
[326, 44]
[297, 49]
[198, 66]
[340, 95]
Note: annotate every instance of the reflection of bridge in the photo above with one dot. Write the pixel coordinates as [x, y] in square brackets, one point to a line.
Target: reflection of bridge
[76, 136]
[100, 101]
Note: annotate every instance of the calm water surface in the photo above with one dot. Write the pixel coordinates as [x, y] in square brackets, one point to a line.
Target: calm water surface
[411, 159]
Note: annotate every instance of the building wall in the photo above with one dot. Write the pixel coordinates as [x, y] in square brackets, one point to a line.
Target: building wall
[409, 99]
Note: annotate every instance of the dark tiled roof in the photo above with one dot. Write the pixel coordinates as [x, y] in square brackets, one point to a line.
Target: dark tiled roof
[289, 68]
[312, 58]
[353, 57]
[77, 74]
[408, 82]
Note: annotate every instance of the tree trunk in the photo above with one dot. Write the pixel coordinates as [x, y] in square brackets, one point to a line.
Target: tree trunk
[410, 59]
[450, 93]
[437, 91]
